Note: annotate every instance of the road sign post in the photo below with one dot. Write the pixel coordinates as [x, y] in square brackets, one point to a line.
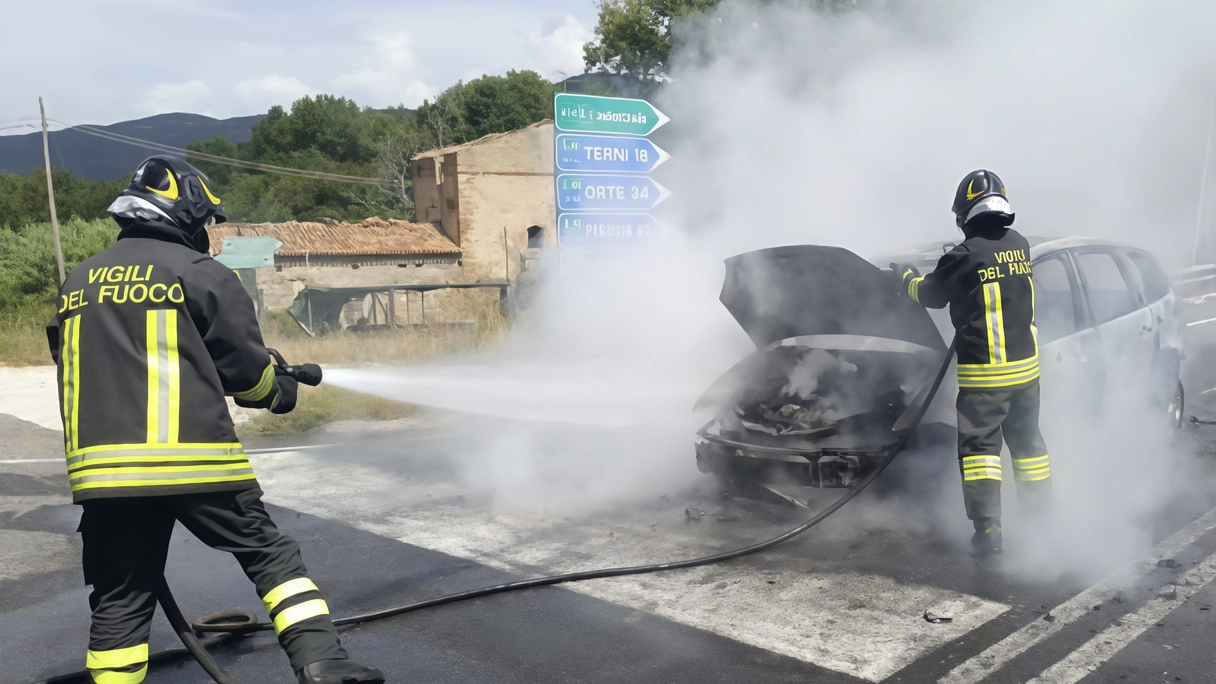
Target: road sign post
[601, 156]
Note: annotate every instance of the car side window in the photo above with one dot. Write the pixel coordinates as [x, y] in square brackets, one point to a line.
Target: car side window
[1110, 295]
[1156, 283]
[1055, 311]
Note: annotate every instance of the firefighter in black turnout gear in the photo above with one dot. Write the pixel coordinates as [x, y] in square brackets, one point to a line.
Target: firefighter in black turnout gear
[986, 280]
[150, 336]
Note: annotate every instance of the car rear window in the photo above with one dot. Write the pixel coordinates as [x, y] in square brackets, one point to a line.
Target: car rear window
[1055, 312]
[1109, 294]
[1156, 283]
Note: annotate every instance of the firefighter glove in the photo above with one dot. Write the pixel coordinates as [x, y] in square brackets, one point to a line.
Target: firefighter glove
[286, 390]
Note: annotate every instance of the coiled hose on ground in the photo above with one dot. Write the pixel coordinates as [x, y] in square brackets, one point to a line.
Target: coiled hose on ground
[235, 623]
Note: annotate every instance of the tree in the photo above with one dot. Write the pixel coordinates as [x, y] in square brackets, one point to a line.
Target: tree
[635, 36]
[638, 37]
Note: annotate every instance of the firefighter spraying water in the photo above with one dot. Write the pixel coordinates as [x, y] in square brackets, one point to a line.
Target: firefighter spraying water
[151, 335]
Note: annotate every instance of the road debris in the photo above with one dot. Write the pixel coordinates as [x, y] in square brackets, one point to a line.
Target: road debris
[1167, 563]
[693, 514]
[935, 619]
[1169, 595]
[1049, 618]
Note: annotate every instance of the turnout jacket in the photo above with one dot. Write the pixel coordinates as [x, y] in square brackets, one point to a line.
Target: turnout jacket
[986, 280]
[149, 337]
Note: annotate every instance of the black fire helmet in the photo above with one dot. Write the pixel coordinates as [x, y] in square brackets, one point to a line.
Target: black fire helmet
[981, 193]
[166, 189]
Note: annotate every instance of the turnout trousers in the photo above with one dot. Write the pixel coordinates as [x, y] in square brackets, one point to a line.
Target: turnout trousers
[126, 541]
[984, 416]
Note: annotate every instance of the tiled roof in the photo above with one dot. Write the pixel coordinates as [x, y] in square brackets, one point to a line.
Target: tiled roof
[371, 236]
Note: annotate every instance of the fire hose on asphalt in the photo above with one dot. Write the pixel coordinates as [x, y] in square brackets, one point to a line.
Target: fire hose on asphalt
[236, 623]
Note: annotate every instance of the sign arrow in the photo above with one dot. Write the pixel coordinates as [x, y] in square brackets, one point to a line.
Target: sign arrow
[589, 192]
[593, 114]
[607, 153]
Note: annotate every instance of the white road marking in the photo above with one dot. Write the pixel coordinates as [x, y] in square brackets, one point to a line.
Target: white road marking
[999, 654]
[867, 626]
[1206, 320]
[1090, 656]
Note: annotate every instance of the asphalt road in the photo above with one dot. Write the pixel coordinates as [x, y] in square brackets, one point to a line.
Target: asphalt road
[392, 518]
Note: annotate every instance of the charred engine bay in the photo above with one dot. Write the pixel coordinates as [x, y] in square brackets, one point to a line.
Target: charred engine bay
[810, 416]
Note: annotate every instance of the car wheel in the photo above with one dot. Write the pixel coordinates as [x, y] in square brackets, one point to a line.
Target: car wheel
[1177, 406]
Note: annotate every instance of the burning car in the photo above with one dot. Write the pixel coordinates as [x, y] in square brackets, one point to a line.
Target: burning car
[844, 360]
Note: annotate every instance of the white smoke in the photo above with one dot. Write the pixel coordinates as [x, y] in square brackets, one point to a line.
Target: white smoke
[797, 126]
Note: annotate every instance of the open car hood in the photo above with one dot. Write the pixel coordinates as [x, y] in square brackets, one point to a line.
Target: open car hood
[807, 290]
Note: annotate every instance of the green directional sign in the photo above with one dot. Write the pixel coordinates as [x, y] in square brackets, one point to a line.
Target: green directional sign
[592, 114]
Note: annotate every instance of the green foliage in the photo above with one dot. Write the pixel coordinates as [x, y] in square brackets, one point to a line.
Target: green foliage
[23, 198]
[637, 37]
[335, 135]
[29, 279]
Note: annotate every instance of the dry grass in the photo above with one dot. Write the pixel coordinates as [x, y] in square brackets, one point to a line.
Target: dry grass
[23, 343]
[320, 406]
[402, 346]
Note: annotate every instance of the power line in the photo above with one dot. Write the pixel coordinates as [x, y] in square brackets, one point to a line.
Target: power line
[5, 128]
[118, 137]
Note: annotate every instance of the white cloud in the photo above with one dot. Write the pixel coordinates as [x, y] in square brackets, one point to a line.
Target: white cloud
[377, 52]
[191, 96]
[389, 72]
[260, 94]
[559, 53]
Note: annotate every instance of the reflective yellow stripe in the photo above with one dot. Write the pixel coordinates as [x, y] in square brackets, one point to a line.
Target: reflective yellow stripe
[1007, 367]
[914, 288]
[204, 447]
[286, 590]
[164, 376]
[998, 381]
[137, 470]
[153, 460]
[260, 390]
[298, 613]
[995, 318]
[175, 374]
[121, 657]
[1032, 469]
[153, 345]
[71, 382]
[162, 483]
[108, 677]
[983, 474]
[982, 460]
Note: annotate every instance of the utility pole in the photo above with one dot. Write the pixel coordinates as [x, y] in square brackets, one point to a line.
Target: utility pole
[50, 193]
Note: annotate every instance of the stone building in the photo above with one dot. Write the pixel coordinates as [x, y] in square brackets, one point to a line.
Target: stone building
[492, 198]
[373, 254]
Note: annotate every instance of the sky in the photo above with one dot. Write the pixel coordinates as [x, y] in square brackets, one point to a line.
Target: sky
[119, 59]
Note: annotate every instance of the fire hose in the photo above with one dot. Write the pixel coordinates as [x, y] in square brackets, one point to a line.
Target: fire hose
[235, 623]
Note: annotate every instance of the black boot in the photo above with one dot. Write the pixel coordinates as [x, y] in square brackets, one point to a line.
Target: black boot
[339, 672]
[987, 538]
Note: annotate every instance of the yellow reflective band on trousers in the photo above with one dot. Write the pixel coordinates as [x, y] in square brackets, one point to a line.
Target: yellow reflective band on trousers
[157, 465]
[104, 666]
[299, 613]
[111, 677]
[996, 375]
[260, 390]
[981, 468]
[70, 382]
[164, 377]
[286, 590]
[995, 319]
[1032, 469]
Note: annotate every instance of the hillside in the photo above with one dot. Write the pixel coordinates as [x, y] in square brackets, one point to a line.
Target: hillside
[99, 159]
